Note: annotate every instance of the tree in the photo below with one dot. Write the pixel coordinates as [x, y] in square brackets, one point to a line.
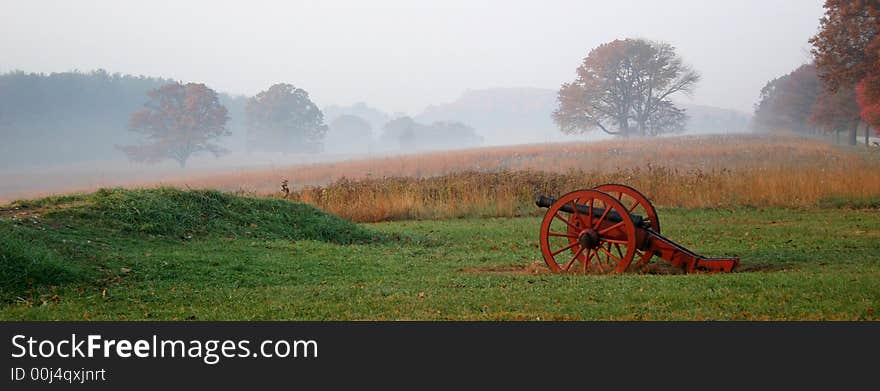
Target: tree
[284, 119]
[349, 133]
[847, 51]
[788, 101]
[836, 111]
[409, 134]
[373, 116]
[178, 121]
[351, 126]
[451, 134]
[624, 88]
[846, 46]
[400, 132]
[868, 97]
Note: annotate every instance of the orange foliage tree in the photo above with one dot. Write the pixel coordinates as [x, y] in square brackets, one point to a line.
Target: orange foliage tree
[836, 111]
[178, 121]
[868, 96]
[623, 88]
[847, 51]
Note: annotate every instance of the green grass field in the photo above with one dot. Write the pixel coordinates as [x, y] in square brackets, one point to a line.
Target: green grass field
[200, 255]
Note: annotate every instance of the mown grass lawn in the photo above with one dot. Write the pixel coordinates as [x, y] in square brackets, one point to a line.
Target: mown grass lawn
[796, 264]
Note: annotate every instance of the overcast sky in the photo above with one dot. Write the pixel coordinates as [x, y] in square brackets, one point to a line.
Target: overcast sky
[401, 56]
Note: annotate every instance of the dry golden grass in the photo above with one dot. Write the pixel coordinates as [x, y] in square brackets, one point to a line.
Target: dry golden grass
[683, 153]
[688, 172]
[512, 193]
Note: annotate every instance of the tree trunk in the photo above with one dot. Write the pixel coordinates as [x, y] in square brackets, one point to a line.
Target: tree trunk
[867, 131]
[852, 139]
[624, 127]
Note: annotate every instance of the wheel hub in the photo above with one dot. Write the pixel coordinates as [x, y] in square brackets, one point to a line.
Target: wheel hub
[588, 238]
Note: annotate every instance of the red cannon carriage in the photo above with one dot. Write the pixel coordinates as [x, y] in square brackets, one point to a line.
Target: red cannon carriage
[606, 228]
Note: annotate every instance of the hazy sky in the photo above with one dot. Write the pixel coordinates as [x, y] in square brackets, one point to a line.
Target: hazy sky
[403, 55]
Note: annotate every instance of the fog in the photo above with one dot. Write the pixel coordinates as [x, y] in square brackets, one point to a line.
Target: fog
[487, 70]
[402, 55]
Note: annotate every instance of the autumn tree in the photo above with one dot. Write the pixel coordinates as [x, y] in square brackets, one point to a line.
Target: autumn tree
[847, 52]
[868, 97]
[787, 101]
[624, 87]
[846, 46]
[178, 121]
[836, 111]
[284, 119]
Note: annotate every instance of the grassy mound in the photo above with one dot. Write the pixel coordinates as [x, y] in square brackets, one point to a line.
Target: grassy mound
[24, 265]
[92, 238]
[185, 213]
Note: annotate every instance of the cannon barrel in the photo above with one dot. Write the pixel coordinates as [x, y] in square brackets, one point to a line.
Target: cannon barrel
[543, 201]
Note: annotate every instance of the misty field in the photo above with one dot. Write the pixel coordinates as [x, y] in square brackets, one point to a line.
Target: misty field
[679, 172]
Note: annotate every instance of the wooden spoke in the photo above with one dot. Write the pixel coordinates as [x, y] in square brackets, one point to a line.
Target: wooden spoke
[606, 230]
[565, 221]
[555, 253]
[608, 253]
[633, 207]
[602, 218]
[575, 257]
[587, 260]
[619, 253]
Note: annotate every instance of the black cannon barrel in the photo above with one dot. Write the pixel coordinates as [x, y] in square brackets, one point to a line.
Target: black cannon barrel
[543, 201]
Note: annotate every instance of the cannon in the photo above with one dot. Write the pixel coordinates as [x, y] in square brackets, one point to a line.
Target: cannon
[606, 229]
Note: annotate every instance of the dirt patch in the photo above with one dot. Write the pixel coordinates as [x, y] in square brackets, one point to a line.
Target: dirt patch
[539, 267]
[658, 268]
[753, 267]
[662, 268]
[18, 212]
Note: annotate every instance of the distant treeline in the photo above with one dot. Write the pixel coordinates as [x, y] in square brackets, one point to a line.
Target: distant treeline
[70, 117]
[76, 116]
[801, 101]
[839, 90]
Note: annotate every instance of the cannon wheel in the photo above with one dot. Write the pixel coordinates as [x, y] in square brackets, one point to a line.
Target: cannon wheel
[637, 204]
[585, 236]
